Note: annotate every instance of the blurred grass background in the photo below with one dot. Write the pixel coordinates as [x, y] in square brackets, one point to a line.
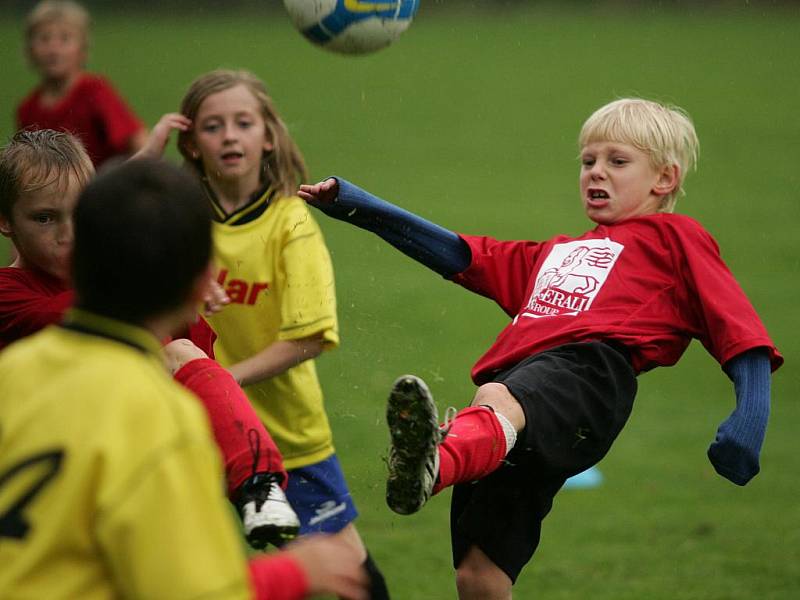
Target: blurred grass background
[470, 119]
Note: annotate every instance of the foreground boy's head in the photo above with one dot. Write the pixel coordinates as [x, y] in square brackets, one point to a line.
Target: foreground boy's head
[142, 244]
[57, 38]
[634, 154]
[41, 174]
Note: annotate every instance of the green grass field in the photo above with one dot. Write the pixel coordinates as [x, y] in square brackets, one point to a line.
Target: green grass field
[470, 120]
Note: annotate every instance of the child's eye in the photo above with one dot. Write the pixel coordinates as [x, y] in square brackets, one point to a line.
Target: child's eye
[210, 127]
[587, 162]
[43, 218]
[619, 161]
[245, 124]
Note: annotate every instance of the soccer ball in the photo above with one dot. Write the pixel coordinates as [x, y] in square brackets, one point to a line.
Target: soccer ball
[352, 26]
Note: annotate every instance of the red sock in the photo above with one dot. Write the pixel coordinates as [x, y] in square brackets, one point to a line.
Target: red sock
[474, 447]
[246, 446]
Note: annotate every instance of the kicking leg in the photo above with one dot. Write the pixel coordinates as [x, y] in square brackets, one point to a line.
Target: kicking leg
[425, 458]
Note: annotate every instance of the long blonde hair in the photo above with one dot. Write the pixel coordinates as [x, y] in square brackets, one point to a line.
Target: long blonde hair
[283, 167]
[666, 133]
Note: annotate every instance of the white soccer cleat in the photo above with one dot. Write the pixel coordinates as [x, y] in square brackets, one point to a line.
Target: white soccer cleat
[267, 517]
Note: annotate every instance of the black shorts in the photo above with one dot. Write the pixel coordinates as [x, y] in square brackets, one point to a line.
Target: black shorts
[576, 399]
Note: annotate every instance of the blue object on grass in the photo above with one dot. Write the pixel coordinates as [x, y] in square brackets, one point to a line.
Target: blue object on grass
[590, 478]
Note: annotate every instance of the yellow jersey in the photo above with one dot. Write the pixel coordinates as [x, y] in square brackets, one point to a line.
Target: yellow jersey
[110, 481]
[273, 263]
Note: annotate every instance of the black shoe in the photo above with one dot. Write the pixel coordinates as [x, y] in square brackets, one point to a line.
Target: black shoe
[414, 451]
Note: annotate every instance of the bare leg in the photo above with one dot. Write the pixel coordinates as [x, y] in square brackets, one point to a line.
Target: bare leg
[500, 399]
[349, 535]
[478, 578]
[377, 584]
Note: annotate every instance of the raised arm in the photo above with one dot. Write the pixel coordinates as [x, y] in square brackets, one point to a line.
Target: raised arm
[154, 144]
[435, 247]
[735, 451]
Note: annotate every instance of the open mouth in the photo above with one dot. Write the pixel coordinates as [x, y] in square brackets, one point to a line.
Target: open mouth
[597, 197]
[232, 156]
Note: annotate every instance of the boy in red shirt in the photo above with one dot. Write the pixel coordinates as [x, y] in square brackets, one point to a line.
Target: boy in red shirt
[42, 174]
[67, 98]
[587, 315]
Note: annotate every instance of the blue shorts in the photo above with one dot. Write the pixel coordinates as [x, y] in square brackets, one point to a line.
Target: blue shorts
[318, 494]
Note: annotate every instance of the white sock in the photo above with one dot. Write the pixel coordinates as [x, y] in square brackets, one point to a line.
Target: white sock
[508, 430]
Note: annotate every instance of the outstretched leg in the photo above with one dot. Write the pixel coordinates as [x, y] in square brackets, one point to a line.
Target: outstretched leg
[425, 458]
[253, 464]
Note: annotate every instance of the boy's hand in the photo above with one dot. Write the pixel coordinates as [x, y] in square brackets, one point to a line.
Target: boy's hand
[159, 137]
[332, 567]
[324, 192]
[216, 299]
[735, 451]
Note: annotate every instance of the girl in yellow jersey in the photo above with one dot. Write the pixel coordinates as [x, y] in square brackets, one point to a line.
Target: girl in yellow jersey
[273, 263]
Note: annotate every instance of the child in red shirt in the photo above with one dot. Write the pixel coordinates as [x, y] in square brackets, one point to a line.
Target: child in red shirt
[67, 98]
[587, 315]
[41, 176]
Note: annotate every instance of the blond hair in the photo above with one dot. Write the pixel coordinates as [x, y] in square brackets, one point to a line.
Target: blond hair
[283, 167]
[665, 132]
[33, 160]
[65, 11]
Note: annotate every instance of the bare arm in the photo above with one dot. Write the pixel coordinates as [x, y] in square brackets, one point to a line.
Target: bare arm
[154, 144]
[137, 141]
[276, 358]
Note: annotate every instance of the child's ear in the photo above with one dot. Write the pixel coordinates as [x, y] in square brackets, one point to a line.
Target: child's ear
[269, 137]
[191, 148]
[667, 181]
[5, 227]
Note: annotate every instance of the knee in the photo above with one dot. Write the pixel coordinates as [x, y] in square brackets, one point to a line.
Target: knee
[500, 399]
[479, 578]
[493, 394]
[179, 352]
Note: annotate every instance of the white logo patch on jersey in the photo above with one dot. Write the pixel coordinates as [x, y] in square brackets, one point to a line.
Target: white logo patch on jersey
[571, 277]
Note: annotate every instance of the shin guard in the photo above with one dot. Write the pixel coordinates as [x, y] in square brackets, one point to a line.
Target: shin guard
[474, 447]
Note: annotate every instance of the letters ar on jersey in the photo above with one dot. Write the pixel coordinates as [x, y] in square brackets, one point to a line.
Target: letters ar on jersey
[239, 290]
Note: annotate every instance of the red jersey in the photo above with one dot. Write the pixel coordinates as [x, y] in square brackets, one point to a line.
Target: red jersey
[92, 110]
[31, 300]
[651, 283]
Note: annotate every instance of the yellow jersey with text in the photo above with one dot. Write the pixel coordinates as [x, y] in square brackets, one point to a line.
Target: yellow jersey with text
[277, 271]
[110, 481]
